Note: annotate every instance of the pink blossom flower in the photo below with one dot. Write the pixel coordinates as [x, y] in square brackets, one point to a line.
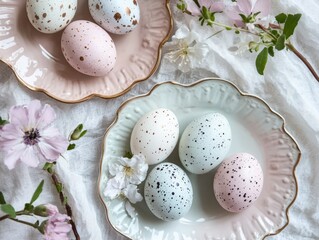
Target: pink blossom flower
[57, 227]
[51, 209]
[45, 210]
[213, 6]
[29, 136]
[247, 8]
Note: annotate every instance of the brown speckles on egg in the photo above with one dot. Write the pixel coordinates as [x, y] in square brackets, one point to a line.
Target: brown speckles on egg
[47, 15]
[128, 11]
[117, 16]
[80, 40]
[135, 2]
[135, 22]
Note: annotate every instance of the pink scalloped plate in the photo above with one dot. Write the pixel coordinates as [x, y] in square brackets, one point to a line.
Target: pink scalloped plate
[37, 60]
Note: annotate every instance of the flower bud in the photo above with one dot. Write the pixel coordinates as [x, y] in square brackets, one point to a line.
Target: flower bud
[45, 210]
[77, 133]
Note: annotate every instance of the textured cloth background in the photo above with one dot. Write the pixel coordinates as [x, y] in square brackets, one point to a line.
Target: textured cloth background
[287, 86]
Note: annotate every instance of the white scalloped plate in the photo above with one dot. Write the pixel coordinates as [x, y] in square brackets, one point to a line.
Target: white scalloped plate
[256, 129]
[37, 60]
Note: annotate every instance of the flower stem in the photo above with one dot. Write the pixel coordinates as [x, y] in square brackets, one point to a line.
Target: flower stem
[67, 207]
[303, 59]
[25, 223]
[18, 213]
[230, 27]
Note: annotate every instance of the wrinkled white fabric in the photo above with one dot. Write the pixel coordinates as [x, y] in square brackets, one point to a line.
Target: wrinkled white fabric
[287, 86]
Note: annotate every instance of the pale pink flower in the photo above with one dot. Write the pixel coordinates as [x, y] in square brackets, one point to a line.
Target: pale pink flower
[211, 5]
[51, 209]
[29, 136]
[248, 7]
[57, 227]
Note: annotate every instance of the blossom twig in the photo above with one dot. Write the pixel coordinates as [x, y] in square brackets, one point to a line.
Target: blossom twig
[303, 59]
[64, 202]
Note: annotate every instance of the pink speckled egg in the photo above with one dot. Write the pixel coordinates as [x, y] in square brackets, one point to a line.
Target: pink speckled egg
[238, 182]
[88, 48]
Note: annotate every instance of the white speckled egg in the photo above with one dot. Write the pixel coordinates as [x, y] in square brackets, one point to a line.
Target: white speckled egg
[88, 48]
[204, 143]
[115, 16]
[168, 192]
[50, 16]
[155, 135]
[238, 182]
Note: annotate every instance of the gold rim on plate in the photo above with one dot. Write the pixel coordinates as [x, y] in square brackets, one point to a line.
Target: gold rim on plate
[283, 128]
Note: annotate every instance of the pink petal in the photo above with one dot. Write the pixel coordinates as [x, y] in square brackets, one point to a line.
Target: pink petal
[46, 117]
[11, 131]
[262, 6]
[192, 7]
[218, 7]
[233, 14]
[19, 116]
[29, 157]
[51, 149]
[34, 109]
[245, 6]
[13, 156]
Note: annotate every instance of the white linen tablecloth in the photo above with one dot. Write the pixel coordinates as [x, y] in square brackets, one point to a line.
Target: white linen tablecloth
[287, 86]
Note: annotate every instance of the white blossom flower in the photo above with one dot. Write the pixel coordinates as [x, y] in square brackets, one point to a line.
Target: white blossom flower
[131, 170]
[114, 187]
[130, 209]
[132, 194]
[185, 49]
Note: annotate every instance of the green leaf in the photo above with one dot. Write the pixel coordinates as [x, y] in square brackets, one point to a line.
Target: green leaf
[271, 51]
[59, 187]
[83, 133]
[8, 209]
[2, 200]
[71, 146]
[280, 45]
[290, 24]
[28, 207]
[37, 192]
[228, 28]
[275, 33]
[281, 18]
[244, 18]
[3, 122]
[128, 155]
[48, 167]
[65, 200]
[261, 61]
[205, 13]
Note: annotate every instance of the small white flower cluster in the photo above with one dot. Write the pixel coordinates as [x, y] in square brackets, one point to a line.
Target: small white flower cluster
[126, 174]
[187, 48]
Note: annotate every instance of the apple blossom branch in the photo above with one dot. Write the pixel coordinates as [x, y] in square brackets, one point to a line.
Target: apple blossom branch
[273, 33]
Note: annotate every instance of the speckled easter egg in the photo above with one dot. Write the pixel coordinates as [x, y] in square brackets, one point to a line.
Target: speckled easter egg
[88, 48]
[168, 192]
[155, 135]
[204, 143]
[238, 182]
[50, 16]
[115, 16]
